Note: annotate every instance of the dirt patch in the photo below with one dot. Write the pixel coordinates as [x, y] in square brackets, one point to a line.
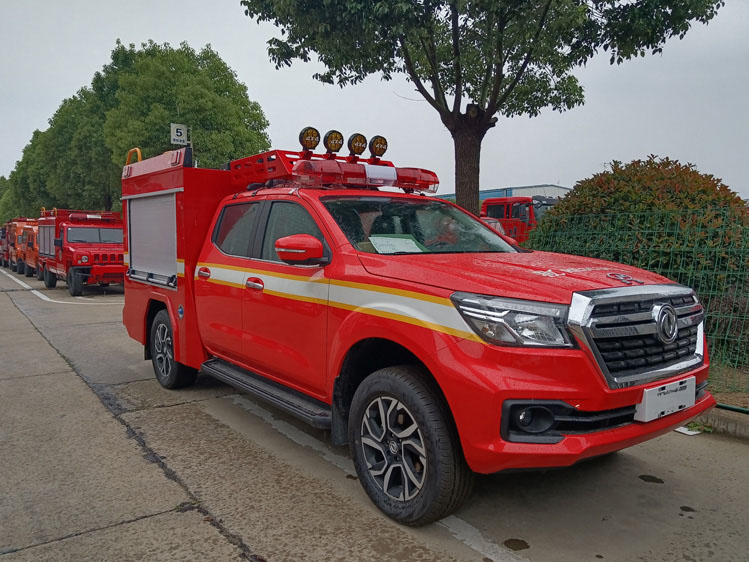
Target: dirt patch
[740, 399]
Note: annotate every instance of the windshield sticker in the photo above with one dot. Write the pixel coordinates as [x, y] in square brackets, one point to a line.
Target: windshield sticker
[396, 244]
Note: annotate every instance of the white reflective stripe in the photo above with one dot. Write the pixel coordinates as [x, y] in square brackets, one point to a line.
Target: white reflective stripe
[126, 258]
[428, 312]
[438, 316]
[180, 267]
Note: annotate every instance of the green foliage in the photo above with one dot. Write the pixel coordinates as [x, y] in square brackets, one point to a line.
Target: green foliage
[473, 59]
[78, 160]
[669, 218]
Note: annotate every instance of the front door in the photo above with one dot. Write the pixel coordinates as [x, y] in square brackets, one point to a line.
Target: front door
[285, 306]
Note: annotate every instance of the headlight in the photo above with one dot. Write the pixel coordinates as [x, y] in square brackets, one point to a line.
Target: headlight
[514, 322]
[83, 259]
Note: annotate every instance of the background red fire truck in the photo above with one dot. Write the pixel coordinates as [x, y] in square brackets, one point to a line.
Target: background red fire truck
[425, 340]
[81, 247]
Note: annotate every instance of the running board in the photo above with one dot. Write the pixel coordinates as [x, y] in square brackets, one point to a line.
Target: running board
[311, 411]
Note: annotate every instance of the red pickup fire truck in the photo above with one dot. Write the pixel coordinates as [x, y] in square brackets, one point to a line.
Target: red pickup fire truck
[82, 247]
[413, 332]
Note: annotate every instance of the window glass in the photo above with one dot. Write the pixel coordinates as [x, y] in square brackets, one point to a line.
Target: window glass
[520, 211]
[90, 235]
[286, 219]
[389, 225]
[234, 231]
[496, 211]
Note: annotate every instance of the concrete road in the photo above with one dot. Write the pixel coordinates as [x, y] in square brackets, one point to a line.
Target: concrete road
[98, 462]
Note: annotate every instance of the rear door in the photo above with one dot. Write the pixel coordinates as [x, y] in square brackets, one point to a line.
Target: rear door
[221, 274]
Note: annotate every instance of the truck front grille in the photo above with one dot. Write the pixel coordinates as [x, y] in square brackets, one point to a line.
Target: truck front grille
[631, 345]
[108, 258]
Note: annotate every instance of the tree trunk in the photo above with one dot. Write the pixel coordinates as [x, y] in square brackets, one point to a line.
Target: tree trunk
[467, 140]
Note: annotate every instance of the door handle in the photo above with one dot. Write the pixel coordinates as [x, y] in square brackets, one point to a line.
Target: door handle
[254, 283]
[204, 272]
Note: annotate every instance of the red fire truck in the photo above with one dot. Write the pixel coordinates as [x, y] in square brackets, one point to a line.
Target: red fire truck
[4, 246]
[82, 247]
[517, 215]
[14, 234]
[27, 250]
[402, 324]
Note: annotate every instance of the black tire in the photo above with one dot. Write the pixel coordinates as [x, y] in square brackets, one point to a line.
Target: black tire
[28, 271]
[40, 272]
[19, 267]
[75, 283]
[169, 373]
[50, 279]
[431, 486]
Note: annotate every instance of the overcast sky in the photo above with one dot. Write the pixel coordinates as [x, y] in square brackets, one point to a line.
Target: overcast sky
[691, 103]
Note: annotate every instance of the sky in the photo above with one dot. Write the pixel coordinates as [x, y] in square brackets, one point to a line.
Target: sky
[690, 103]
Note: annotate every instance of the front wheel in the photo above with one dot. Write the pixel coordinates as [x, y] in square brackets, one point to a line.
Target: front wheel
[169, 373]
[50, 279]
[406, 450]
[20, 267]
[40, 272]
[75, 283]
[28, 270]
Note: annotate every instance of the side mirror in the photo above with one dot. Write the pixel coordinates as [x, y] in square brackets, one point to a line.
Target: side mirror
[58, 242]
[300, 249]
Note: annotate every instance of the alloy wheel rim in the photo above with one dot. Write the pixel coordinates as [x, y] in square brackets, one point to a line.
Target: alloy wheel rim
[393, 448]
[163, 351]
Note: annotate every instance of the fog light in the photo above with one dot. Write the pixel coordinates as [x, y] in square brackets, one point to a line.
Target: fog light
[534, 419]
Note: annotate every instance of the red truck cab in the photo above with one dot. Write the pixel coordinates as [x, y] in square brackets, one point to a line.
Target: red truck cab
[517, 215]
[81, 247]
[303, 279]
[28, 250]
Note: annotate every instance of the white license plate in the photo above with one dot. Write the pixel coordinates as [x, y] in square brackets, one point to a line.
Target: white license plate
[666, 399]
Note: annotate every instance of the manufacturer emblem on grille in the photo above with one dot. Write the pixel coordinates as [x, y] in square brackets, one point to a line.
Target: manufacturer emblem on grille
[624, 278]
[666, 326]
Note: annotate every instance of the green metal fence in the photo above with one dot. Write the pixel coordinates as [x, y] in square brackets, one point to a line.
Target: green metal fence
[707, 250]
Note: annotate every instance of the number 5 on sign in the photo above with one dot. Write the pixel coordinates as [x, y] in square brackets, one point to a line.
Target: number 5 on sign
[179, 134]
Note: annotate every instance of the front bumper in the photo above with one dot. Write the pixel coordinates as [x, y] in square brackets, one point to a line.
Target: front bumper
[103, 273]
[478, 380]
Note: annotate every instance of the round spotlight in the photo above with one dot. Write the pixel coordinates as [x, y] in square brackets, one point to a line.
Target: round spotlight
[333, 141]
[357, 143]
[534, 419]
[378, 146]
[309, 138]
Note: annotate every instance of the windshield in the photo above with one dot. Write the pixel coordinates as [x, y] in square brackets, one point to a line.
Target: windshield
[95, 235]
[389, 225]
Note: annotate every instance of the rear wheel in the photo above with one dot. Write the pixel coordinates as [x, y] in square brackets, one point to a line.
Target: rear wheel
[75, 283]
[169, 373]
[50, 279]
[405, 448]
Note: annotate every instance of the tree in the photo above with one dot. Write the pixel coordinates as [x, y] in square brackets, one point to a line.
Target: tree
[472, 60]
[164, 85]
[78, 160]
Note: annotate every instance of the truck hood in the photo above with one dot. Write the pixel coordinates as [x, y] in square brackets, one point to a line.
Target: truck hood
[541, 276]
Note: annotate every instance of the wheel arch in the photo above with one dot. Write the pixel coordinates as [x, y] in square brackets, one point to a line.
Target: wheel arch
[152, 309]
[361, 360]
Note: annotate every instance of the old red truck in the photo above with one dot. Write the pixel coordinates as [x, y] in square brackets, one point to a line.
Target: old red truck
[15, 250]
[81, 247]
[517, 215]
[413, 332]
[28, 249]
